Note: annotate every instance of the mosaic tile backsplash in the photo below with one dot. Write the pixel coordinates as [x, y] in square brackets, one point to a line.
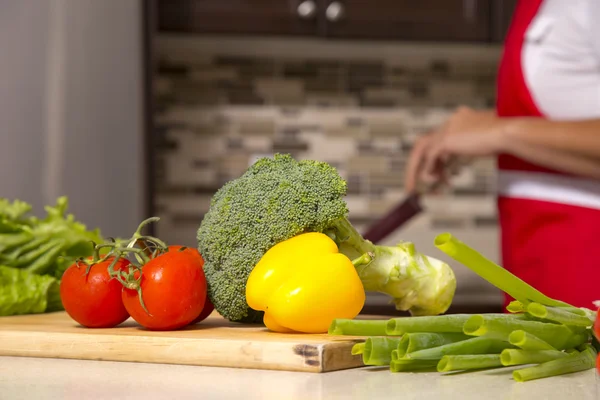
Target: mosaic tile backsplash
[219, 112]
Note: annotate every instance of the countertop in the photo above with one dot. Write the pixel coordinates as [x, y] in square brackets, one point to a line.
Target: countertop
[49, 379]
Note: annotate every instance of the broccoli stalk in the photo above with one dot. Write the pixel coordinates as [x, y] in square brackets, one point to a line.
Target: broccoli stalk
[417, 283]
[278, 198]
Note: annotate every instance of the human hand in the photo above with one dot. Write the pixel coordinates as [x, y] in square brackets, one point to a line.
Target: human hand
[466, 134]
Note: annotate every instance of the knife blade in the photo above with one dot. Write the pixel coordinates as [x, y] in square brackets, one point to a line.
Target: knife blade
[395, 218]
[408, 208]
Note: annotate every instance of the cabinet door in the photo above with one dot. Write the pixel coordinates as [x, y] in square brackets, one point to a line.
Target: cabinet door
[502, 12]
[428, 20]
[263, 17]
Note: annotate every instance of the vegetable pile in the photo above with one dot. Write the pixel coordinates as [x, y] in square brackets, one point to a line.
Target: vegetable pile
[541, 336]
[35, 252]
[277, 247]
[279, 198]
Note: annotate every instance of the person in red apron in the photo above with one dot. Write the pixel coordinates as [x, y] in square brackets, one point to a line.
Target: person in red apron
[545, 133]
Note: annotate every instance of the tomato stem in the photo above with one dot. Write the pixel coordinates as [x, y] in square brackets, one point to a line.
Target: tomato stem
[148, 248]
[139, 290]
[154, 240]
[142, 243]
[101, 246]
[130, 282]
[145, 222]
[96, 259]
[80, 261]
[95, 251]
[146, 242]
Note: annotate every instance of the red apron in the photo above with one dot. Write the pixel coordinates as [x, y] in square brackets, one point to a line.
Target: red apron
[550, 245]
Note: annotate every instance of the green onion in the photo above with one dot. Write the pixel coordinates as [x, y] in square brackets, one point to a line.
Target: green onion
[476, 345]
[579, 311]
[466, 362]
[560, 315]
[378, 350]
[452, 323]
[492, 272]
[515, 307]
[558, 336]
[414, 341]
[358, 327]
[437, 323]
[528, 341]
[518, 357]
[358, 348]
[573, 362]
[412, 365]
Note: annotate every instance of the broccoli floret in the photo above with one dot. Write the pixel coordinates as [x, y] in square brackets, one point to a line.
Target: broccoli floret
[278, 198]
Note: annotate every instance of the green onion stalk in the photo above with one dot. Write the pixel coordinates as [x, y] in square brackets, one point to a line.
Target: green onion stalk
[468, 361]
[518, 356]
[495, 274]
[528, 341]
[378, 350]
[413, 342]
[573, 362]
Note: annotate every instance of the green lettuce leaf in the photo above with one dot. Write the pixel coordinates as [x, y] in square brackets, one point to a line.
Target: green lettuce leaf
[23, 292]
[43, 246]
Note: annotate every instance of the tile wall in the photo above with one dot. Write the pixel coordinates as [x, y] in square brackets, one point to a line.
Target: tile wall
[360, 106]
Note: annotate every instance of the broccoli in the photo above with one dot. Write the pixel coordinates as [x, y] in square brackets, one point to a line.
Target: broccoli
[278, 198]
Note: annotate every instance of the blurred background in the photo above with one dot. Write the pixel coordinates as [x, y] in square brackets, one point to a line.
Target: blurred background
[134, 108]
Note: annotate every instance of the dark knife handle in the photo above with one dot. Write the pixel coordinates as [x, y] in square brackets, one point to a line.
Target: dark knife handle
[399, 215]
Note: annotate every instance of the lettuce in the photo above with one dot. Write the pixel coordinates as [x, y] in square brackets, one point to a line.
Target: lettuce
[23, 292]
[42, 246]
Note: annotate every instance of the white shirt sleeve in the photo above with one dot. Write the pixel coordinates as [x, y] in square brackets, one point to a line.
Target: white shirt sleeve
[561, 59]
[594, 24]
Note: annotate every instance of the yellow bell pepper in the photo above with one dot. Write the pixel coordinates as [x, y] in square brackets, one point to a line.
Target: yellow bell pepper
[304, 283]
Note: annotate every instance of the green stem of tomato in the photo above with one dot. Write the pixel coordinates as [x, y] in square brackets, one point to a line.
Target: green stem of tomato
[140, 254]
[102, 246]
[145, 222]
[138, 235]
[148, 248]
[95, 252]
[129, 281]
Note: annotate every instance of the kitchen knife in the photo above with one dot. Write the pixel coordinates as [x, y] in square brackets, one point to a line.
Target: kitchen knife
[407, 209]
[394, 219]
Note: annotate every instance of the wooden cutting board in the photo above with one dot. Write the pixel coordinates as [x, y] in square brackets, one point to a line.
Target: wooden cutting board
[213, 342]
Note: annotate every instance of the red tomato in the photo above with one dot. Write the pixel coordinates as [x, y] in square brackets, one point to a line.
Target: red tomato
[173, 289]
[208, 305]
[206, 311]
[94, 299]
[188, 250]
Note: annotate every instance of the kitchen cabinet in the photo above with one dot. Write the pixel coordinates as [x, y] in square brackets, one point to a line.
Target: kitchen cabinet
[464, 20]
[255, 17]
[502, 13]
[423, 20]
